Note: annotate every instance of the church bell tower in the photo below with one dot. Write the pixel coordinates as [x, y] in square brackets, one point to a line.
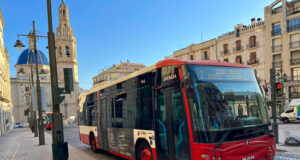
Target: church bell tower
[66, 57]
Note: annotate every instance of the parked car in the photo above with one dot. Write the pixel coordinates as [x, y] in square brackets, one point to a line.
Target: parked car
[18, 125]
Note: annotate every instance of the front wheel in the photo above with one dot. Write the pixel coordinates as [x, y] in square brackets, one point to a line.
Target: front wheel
[144, 152]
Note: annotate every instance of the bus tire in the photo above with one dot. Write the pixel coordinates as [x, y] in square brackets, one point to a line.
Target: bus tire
[144, 151]
[93, 143]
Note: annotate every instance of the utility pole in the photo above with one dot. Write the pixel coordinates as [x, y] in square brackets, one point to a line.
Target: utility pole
[273, 95]
[59, 147]
[33, 112]
[38, 88]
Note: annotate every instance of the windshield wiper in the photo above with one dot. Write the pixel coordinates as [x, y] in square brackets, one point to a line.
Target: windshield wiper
[223, 139]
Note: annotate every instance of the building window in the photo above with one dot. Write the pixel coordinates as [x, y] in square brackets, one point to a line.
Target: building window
[238, 45]
[191, 57]
[59, 51]
[277, 60]
[294, 92]
[226, 60]
[206, 55]
[225, 48]
[64, 13]
[238, 59]
[295, 74]
[295, 57]
[294, 24]
[276, 29]
[67, 52]
[253, 58]
[238, 32]
[252, 41]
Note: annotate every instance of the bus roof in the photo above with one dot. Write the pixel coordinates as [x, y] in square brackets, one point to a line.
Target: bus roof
[160, 64]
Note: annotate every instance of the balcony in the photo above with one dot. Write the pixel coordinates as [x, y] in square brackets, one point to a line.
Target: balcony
[277, 64]
[295, 61]
[276, 32]
[295, 44]
[253, 62]
[293, 11]
[293, 28]
[253, 46]
[224, 52]
[294, 95]
[237, 49]
[277, 48]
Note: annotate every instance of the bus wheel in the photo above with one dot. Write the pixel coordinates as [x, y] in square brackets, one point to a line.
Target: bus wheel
[144, 152]
[93, 143]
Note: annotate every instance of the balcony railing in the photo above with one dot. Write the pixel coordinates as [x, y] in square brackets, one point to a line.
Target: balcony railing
[224, 52]
[295, 44]
[277, 64]
[294, 94]
[292, 28]
[277, 48]
[276, 32]
[252, 46]
[237, 49]
[293, 11]
[295, 61]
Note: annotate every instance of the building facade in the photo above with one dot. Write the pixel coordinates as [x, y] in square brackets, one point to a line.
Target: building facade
[282, 41]
[244, 45]
[117, 71]
[66, 58]
[6, 118]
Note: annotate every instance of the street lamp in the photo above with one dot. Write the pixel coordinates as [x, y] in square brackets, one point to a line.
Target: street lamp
[19, 45]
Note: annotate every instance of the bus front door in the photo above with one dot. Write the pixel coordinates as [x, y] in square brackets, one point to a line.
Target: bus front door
[172, 140]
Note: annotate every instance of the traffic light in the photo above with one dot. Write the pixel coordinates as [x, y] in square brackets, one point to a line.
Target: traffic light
[278, 86]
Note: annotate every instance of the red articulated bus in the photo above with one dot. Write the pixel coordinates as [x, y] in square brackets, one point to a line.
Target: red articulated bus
[179, 110]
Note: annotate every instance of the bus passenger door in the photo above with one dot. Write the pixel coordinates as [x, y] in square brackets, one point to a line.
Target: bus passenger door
[170, 125]
[103, 139]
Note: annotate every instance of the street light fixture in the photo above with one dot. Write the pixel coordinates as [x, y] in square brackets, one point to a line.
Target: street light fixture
[19, 45]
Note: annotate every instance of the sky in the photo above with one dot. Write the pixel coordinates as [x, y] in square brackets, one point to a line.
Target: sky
[141, 31]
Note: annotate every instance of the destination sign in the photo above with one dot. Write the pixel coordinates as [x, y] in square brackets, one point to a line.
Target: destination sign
[211, 73]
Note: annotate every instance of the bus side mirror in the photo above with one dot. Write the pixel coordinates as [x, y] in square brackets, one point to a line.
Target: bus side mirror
[68, 78]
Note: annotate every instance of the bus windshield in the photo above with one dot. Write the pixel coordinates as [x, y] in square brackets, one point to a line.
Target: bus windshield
[225, 101]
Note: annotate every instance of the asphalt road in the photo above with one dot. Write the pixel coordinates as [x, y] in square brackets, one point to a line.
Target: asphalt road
[72, 137]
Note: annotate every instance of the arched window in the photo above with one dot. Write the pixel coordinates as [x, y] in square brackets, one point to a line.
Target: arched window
[59, 51]
[67, 52]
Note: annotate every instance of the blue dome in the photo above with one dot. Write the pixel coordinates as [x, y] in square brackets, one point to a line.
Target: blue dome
[24, 58]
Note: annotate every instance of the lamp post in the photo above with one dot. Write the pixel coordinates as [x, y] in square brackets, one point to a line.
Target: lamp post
[19, 45]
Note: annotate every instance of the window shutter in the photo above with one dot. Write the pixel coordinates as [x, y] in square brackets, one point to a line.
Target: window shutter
[252, 57]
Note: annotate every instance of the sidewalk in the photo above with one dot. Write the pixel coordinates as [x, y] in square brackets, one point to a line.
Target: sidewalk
[285, 131]
[20, 144]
